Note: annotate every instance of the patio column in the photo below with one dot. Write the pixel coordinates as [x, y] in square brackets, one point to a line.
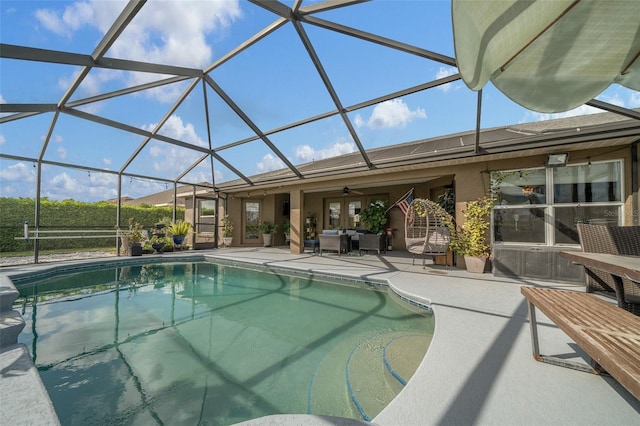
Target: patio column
[296, 200]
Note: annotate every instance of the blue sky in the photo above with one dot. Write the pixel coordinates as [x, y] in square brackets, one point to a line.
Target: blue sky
[274, 82]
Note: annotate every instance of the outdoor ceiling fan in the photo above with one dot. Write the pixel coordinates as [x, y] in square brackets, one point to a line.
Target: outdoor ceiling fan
[347, 191]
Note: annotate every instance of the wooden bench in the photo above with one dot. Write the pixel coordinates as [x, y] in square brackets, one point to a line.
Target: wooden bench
[608, 334]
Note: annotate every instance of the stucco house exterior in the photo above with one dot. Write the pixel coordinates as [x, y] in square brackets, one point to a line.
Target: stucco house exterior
[539, 204]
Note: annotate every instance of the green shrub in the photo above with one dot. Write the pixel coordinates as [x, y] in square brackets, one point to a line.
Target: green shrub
[70, 215]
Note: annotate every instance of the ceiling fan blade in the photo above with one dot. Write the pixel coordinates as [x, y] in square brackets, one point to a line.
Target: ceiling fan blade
[348, 191]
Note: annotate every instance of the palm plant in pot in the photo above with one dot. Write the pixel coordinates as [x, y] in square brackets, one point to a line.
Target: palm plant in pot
[375, 217]
[227, 231]
[178, 231]
[471, 238]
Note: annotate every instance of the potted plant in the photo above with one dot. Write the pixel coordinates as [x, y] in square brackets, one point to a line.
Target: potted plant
[447, 200]
[227, 231]
[268, 229]
[287, 231]
[178, 230]
[375, 217]
[133, 238]
[470, 238]
[157, 238]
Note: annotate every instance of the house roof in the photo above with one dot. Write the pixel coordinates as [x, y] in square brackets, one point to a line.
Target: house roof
[587, 131]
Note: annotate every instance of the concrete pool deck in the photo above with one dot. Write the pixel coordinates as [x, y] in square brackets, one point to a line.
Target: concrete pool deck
[478, 368]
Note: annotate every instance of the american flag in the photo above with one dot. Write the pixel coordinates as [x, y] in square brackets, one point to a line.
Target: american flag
[404, 203]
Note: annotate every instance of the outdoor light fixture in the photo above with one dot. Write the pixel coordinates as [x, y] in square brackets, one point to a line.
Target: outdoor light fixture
[557, 160]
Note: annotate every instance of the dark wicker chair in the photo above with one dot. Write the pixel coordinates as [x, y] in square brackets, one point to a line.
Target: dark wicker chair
[622, 240]
[339, 242]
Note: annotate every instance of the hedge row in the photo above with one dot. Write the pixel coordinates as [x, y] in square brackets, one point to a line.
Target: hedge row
[71, 215]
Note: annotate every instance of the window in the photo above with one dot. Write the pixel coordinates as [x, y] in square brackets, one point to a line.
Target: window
[336, 219]
[586, 193]
[543, 206]
[207, 209]
[354, 208]
[519, 216]
[334, 215]
[251, 220]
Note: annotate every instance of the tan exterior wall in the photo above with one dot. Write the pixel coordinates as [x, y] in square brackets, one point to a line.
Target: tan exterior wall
[471, 180]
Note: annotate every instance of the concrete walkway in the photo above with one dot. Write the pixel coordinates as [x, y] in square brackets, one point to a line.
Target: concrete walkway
[478, 369]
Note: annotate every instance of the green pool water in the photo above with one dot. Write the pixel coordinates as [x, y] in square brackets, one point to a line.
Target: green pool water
[209, 344]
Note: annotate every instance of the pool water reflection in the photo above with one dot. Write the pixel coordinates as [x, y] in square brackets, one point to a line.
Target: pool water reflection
[202, 343]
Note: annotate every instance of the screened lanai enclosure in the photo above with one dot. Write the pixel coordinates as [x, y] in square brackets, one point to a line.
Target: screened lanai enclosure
[181, 103]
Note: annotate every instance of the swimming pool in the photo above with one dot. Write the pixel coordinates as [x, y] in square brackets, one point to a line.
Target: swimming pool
[196, 343]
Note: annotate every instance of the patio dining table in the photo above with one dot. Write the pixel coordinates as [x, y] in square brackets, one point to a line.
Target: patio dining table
[618, 266]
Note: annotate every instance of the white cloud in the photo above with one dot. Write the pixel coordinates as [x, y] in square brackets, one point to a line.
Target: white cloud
[172, 34]
[306, 153]
[63, 184]
[94, 187]
[165, 153]
[445, 72]
[202, 173]
[176, 32]
[71, 19]
[390, 114]
[19, 172]
[175, 128]
[51, 21]
[102, 180]
[167, 30]
[62, 153]
[269, 162]
[613, 98]
[19, 180]
[581, 110]
[107, 161]
[3, 140]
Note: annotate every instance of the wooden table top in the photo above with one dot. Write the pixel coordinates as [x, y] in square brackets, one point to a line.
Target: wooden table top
[622, 266]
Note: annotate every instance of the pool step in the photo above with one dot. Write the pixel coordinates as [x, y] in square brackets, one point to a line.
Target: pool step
[370, 387]
[11, 322]
[24, 397]
[360, 376]
[403, 355]
[328, 394]
[11, 325]
[378, 369]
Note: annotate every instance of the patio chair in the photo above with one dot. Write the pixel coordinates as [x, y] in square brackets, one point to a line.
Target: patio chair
[426, 229]
[334, 241]
[621, 240]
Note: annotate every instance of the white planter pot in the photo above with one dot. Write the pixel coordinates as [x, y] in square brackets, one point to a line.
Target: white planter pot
[475, 264]
[266, 239]
[227, 241]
